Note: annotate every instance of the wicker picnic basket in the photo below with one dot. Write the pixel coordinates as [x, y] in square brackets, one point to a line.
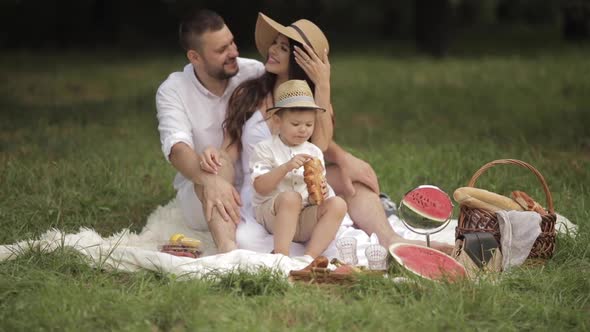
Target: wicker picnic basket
[477, 220]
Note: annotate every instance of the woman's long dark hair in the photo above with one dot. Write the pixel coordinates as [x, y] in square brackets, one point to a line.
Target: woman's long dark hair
[249, 95]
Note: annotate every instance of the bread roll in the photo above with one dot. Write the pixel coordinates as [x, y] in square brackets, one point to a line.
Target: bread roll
[483, 199]
[527, 203]
[313, 175]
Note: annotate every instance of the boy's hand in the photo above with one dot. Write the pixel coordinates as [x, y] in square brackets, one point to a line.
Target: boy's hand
[297, 161]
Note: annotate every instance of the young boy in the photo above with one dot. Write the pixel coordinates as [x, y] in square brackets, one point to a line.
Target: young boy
[281, 202]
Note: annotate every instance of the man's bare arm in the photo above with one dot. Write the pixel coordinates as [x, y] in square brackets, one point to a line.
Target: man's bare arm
[216, 190]
[186, 161]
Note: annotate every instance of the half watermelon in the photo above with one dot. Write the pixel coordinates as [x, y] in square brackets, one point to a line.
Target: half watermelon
[429, 202]
[427, 262]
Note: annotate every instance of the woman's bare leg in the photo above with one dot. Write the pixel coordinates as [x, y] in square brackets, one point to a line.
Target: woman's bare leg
[367, 213]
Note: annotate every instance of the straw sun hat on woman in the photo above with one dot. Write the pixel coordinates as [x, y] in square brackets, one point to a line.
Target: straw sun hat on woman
[302, 31]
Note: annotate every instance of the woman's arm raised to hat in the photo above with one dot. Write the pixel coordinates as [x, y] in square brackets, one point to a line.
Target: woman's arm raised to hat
[318, 70]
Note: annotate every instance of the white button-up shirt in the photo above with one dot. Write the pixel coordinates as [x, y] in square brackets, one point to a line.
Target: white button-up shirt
[187, 112]
[272, 153]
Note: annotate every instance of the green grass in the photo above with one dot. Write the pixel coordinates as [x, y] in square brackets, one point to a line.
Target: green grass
[79, 147]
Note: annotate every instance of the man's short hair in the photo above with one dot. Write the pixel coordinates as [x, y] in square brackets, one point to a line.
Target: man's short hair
[195, 24]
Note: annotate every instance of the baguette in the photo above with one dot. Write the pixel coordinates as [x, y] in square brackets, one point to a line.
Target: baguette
[475, 203]
[483, 199]
[313, 175]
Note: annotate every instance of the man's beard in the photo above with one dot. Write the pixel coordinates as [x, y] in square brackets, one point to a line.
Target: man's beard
[221, 73]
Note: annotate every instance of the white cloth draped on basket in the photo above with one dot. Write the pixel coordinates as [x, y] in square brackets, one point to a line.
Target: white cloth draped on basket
[518, 231]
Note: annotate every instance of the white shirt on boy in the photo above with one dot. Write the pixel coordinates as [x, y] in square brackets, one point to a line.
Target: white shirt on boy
[272, 153]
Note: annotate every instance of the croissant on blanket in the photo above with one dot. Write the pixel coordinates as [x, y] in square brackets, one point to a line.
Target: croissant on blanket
[313, 175]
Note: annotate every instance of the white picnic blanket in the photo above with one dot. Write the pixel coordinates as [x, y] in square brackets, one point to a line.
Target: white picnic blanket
[128, 251]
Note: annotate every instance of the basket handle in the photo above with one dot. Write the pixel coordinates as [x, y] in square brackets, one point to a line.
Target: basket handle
[521, 164]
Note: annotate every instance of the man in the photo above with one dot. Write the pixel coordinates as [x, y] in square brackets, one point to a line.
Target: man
[191, 108]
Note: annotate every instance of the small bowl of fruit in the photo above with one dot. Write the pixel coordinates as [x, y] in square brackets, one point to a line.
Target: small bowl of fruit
[182, 246]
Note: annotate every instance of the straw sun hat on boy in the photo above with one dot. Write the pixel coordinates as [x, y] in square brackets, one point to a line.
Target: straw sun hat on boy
[294, 94]
[303, 31]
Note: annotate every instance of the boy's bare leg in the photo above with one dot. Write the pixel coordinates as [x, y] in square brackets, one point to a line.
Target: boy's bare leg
[288, 207]
[330, 215]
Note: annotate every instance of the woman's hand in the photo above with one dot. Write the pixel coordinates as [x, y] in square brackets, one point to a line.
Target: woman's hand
[210, 160]
[353, 169]
[316, 68]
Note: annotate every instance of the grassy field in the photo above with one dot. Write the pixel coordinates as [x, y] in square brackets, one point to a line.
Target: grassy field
[79, 147]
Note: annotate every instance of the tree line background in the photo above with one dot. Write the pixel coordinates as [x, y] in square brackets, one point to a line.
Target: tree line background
[152, 24]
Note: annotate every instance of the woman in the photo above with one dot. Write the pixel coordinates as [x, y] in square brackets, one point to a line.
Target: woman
[287, 56]
[299, 51]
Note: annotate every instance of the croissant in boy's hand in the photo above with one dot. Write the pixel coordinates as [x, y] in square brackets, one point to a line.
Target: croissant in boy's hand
[313, 175]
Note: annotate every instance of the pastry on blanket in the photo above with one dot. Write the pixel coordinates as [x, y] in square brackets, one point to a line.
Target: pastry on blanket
[318, 262]
[313, 175]
[527, 203]
[486, 200]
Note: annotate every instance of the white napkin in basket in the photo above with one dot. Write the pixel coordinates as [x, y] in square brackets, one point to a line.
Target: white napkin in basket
[518, 232]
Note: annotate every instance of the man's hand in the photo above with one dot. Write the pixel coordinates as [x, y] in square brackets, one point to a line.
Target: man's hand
[353, 169]
[221, 195]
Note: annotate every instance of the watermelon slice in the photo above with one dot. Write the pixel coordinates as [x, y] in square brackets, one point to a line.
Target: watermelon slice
[429, 202]
[427, 262]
